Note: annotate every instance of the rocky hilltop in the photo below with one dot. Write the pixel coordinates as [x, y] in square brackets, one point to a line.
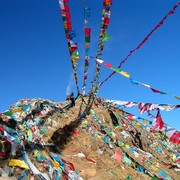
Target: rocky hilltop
[43, 139]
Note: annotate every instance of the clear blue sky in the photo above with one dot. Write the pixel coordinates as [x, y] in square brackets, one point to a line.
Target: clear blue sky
[35, 62]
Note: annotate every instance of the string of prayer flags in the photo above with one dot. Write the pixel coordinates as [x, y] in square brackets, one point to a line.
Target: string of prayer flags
[172, 11]
[70, 34]
[105, 20]
[152, 89]
[87, 35]
[133, 81]
[144, 107]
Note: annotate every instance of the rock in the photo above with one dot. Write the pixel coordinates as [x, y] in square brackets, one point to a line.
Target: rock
[88, 172]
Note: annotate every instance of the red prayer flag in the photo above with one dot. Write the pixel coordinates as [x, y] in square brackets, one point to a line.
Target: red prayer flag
[130, 117]
[106, 21]
[2, 154]
[67, 37]
[175, 137]
[90, 160]
[68, 15]
[87, 31]
[69, 22]
[118, 156]
[72, 48]
[153, 130]
[107, 65]
[159, 122]
[178, 161]
[154, 90]
[66, 7]
[1, 129]
[69, 27]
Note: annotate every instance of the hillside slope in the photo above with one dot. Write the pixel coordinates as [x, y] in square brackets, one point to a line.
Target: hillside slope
[43, 139]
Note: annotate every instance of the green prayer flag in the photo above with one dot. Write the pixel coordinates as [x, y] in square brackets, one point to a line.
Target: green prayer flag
[127, 160]
[30, 136]
[155, 178]
[116, 69]
[128, 178]
[106, 37]
[41, 131]
[87, 39]
[74, 54]
[59, 116]
[66, 31]
[8, 113]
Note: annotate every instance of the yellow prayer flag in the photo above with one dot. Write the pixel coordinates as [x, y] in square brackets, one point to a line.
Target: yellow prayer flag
[154, 167]
[177, 97]
[36, 152]
[75, 58]
[125, 74]
[86, 45]
[127, 146]
[17, 110]
[65, 25]
[19, 163]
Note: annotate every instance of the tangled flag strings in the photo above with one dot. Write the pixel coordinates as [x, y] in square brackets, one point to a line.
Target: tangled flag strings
[105, 20]
[127, 75]
[28, 122]
[124, 147]
[70, 34]
[143, 41]
[157, 123]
